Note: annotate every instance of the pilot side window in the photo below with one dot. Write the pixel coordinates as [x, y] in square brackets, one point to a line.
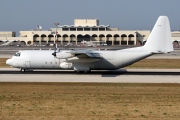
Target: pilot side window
[17, 54]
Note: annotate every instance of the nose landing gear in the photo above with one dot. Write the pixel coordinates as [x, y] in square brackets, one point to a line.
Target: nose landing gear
[24, 70]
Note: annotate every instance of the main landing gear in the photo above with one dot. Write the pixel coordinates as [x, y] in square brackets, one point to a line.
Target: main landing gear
[89, 71]
[23, 70]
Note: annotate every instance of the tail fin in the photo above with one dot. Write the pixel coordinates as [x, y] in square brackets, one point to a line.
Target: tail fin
[159, 40]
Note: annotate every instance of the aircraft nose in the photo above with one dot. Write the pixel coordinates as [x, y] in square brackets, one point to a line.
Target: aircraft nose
[9, 62]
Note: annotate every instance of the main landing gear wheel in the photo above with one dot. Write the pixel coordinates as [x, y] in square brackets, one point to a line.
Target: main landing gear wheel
[89, 71]
[23, 70]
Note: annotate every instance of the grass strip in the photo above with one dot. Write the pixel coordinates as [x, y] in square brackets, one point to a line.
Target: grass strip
[89, 101]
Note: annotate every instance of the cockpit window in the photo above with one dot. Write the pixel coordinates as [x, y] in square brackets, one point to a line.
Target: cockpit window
[17, 54]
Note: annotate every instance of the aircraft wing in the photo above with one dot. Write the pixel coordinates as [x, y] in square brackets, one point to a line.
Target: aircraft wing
[85, 53]
[84, 56]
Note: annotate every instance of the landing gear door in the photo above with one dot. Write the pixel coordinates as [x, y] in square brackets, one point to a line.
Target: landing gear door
[28, 64]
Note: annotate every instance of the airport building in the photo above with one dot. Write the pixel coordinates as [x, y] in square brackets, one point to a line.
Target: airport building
[88, 30]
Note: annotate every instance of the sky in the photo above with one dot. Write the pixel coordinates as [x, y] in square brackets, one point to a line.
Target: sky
[21, 15]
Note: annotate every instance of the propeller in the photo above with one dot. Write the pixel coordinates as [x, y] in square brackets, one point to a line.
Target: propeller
[55, 49]
[55, 45]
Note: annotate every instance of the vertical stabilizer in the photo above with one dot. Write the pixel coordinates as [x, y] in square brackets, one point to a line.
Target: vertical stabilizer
[159, 40]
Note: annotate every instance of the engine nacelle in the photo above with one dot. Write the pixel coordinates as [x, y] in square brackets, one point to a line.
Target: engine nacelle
[64, 55]
[66, 65]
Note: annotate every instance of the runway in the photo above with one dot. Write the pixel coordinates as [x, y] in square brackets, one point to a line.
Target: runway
[117, 76]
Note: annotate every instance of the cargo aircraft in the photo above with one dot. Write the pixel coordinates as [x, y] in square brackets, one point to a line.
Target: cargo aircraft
[159, 42]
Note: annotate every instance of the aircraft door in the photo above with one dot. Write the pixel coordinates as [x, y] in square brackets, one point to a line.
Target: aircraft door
[28, 64]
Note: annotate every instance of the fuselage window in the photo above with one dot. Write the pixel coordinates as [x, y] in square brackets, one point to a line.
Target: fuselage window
[17, 54]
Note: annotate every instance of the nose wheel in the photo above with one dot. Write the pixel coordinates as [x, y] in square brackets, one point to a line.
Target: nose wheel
[24, 70]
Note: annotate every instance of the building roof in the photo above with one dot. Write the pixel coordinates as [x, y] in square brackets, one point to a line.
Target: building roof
[73, 26]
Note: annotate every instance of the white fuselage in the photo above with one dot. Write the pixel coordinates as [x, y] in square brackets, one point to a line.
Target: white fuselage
[43, 59]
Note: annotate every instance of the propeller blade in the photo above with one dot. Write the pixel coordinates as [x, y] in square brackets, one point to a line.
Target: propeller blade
[55, 49]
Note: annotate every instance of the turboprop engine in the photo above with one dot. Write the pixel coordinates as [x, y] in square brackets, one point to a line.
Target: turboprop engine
[66, 65]
[63, 55]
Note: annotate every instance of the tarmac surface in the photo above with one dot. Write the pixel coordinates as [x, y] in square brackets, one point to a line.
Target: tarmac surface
[117, 76]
